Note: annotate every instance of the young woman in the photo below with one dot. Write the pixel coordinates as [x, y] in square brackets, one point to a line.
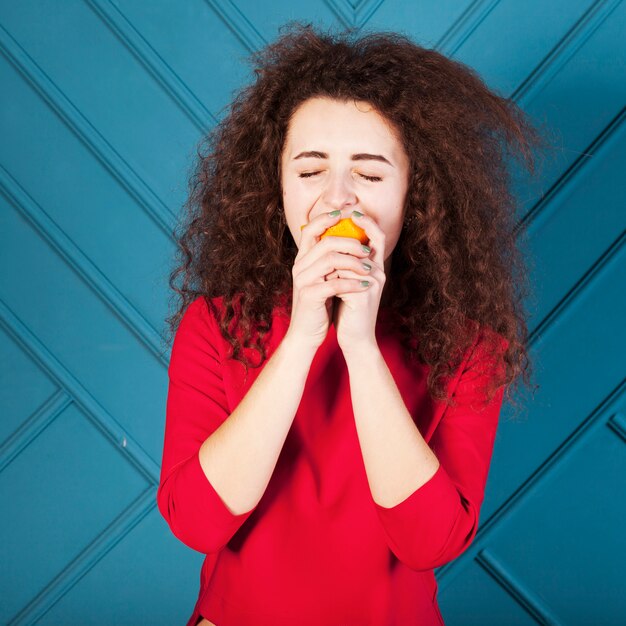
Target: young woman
[328, 440]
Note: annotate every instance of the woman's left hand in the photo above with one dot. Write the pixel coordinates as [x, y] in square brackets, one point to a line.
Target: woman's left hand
[355, 312]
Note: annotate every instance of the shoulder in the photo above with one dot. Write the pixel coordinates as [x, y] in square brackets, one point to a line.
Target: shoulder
[488, 340]
[198, 320]
[204, 315]
[197, 312]
[485, 339]
[203, 308]
[197, 337]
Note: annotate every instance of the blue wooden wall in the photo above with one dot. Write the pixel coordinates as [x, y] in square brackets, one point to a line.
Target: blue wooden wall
[102, 104]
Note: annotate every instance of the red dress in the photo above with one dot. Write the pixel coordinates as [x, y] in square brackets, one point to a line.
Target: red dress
[317, 549]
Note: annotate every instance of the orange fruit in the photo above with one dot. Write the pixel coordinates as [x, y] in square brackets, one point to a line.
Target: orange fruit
[345, 228]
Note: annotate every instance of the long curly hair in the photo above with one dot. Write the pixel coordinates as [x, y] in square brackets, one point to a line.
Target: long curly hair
[457, 271]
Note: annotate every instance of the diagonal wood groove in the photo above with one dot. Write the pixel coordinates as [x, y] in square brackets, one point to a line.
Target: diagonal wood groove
[517, 589]
[80, 566]
[33, 426]
[589, 22]
[576, 440]
[541, 210]
[617, 424]
[587, 426]
[238, 24]
[343, 11]
[155, 64]
[565, 49]
[463, 28]
[576, 36]
[97, 414]
[356, 16]
[364, 11]
[73, 256]
[104, 152]
[584, 284]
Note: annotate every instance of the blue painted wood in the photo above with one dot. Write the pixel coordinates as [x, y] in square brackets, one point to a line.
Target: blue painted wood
[103, 103]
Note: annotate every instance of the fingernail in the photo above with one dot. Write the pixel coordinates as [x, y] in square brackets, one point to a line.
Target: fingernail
[335, 213]
[357, 214]
[366, 248]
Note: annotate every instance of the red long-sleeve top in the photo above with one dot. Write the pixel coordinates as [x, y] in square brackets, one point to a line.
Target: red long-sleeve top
[317, 549]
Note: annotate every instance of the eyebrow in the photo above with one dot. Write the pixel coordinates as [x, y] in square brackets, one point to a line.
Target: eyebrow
[361, 156]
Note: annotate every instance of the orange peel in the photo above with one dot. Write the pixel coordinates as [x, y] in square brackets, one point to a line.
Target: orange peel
[345, 228]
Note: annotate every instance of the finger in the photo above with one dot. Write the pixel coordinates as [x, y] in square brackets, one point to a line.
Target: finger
[350, 274]
[311, 231]
[362, 267]
[359, 266]
[352, 283]
[322, 268]
[324, 290]
[330, 253]
[376, 236]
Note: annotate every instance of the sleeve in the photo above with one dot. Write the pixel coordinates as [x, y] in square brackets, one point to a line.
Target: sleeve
[438, 521]
[196, 406]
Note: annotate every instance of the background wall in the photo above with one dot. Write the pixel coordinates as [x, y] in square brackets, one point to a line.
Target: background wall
[103, 103]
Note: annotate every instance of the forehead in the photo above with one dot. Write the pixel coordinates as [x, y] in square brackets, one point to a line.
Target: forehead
[353, 126]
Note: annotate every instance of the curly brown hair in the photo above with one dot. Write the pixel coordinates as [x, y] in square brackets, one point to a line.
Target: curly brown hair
[457, 270]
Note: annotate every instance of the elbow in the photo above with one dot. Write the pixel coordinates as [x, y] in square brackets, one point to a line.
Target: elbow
[189, 531]
[429, 561]
[428, 555]
[194, 511]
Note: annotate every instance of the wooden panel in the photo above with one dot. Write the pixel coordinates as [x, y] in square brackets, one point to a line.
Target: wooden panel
[108, 100]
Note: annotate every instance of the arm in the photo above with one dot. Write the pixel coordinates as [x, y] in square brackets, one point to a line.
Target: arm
[216, 466]
[427, 496]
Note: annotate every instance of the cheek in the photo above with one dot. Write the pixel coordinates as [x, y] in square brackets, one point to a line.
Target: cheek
[294, 198]
[392, 227]
[388, 222]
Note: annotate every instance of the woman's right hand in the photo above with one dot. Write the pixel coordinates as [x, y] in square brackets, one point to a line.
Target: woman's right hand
[313, 295]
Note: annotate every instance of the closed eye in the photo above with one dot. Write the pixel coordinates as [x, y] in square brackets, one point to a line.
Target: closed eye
[371, 178]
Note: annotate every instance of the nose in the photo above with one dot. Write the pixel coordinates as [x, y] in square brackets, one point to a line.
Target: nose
[339, 193]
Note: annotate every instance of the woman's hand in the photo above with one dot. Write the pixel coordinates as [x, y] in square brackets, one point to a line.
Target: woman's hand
[313, 294]
[356, 313]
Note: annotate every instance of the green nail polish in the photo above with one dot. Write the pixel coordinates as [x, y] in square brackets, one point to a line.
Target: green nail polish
[335, 213]
[366, 248]
[365, 283]
[357, 214]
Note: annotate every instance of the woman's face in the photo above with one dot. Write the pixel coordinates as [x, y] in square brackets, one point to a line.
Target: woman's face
[332, 143]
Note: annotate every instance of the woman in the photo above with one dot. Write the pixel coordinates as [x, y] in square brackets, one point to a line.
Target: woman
[327, 478]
